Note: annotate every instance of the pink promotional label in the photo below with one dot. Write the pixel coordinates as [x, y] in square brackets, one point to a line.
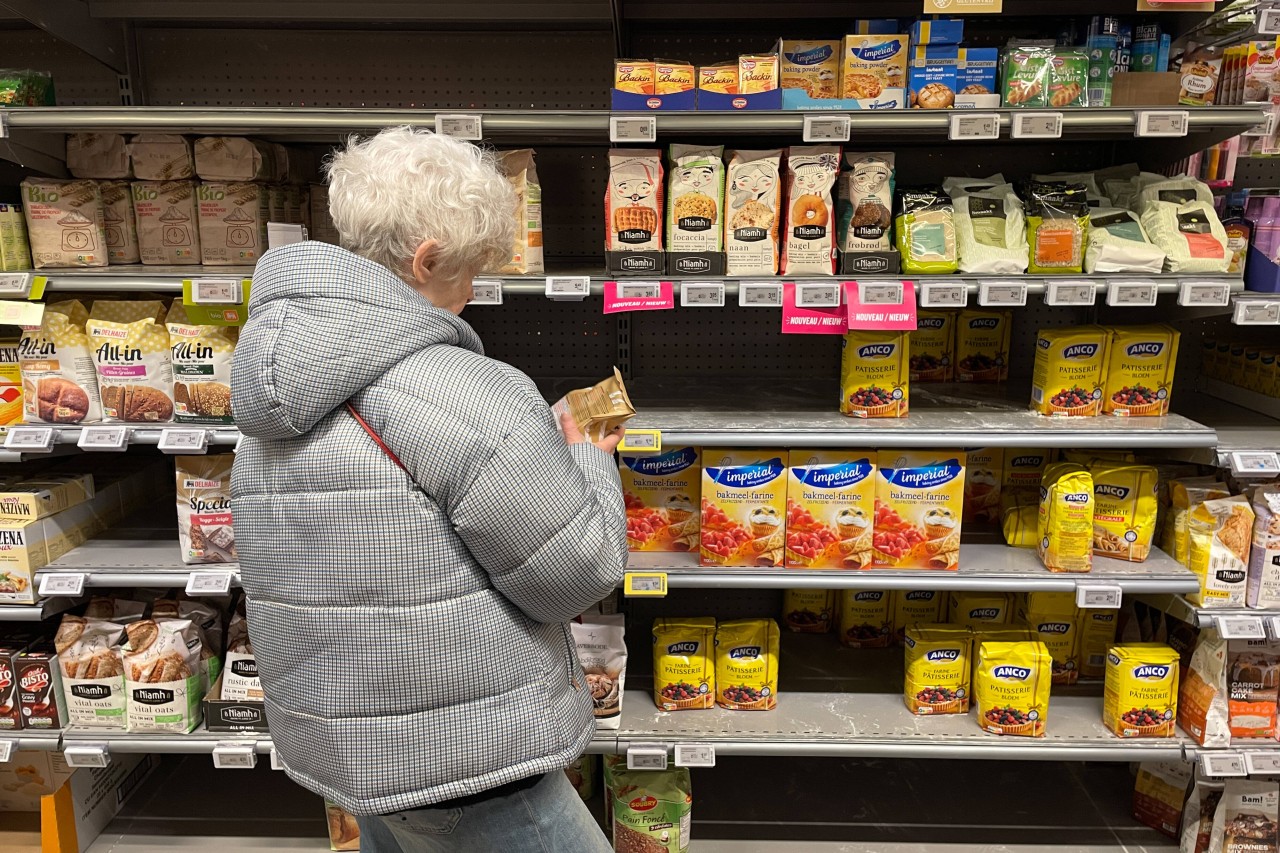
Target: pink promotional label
[797, 320]
[620, 296]
[123, 370]
[884, 306]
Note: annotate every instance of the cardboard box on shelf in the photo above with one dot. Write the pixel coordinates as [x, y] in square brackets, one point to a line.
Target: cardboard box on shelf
[43, 496]
[29, 775]
[1145, 90]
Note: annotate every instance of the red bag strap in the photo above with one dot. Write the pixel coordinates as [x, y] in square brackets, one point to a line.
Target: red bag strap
[377, 439]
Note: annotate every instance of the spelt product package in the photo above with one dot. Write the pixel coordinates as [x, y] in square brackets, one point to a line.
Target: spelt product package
[684, 674]
[695, 199]
[201, 358]
[982, 345]
[522, 174]
[1066, 518]
[652, 809]
[1158, 794]
[991, 232]
[933, 347]
[1220, 532]
[120, 228]
[809, 244]
[1118, 243]
[1124, 510]
[1202, 693]
[753, 186]
[919, 501]
[64, 223]
[98, 155]
[133, 359]
[866, 202]
[633, 200]
[1253, 687]
[925, 231]
[240, 680]
[866, 618]
[161, 157]
[233, 222]
[602, 651]
[162, 675]
[808, 611]
[747, 664]
[1140, 371]
[1057, 227]
[1263, 584]
[205, 534]
[168, 222]
[89, 652]
[830, 496]
[59, 381]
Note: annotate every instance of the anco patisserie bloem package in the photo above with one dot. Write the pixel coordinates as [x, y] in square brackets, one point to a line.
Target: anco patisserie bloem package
[744, 501]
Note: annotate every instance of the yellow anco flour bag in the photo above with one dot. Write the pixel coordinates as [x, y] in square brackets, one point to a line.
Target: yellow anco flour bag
[1066, 519]
[747, 665]
[866, 618]
[1011, 687]
[808, 611]
[1141, 692]
[975, 609]
[684, 675]
[875, 374]
[1140, 373]
[1124, 510]
[1071, 365]
[938, 658]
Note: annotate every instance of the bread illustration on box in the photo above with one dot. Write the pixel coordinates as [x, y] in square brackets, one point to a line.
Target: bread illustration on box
[633, 203]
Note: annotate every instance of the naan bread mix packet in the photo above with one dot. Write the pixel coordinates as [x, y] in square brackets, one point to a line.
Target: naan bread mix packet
[753, 187]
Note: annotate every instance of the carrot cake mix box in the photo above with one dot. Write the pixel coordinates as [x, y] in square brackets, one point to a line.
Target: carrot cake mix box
[1140, 374]
[938, 661]
[866, 617]
[1070, 368]
[830, 501]
[1140, 697]
[918, 509]
[661, 494]
[875, 371]
[983, 477]
[744, 501]
[982, 345]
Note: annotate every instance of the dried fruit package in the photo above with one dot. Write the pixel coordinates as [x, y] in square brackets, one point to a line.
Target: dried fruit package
[661, 492]
[684, 673]
[1140, 695]
[875, 372]
[808, 611]
[1065, 542]
[866, 618]
[744, 502]
[830, 503]
[633, 200]
[162, 675]
[201, 358]
[938, 663]
[753, 185]
[59, 382]
[1011, 687]
[89, 652]
[602, 651]
[1140, 371]
[865, 204]
[747, 665]
[1057, 227]
[134, 362]
[695, 199]
[919, 502]
[809, 244]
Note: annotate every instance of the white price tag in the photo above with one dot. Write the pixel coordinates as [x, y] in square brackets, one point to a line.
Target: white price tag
[1241, 628]
[276, 762]
[1262, 763]
[639, 289]
[695, 755]
[29, 439]
[997, 294]
[184, 441]
[86, 755]
[633, 129]
[759, 294]
[880, 294]
[643, 440]
[486, 291]
[943, 295]
[1223, 764]
[568, 286]
[826, 128]
[1275, 627]
[1131, 294]
[1266, 128]
[974, 126]
[62, 583]
[15, 285]
[1204, 294]
[1163, 123]
[466, 127]
[1070, 293]
[1259, 313]
[813, 295]
[646, 758]
[700, 294]
[234, 756]
[1098, 596]
[285, 234]
[7, 749]
[646, 583]
[1037, 125]
[1255, 463]
[1268, 22]
[209, 582]
[104, 438]
[216, 291]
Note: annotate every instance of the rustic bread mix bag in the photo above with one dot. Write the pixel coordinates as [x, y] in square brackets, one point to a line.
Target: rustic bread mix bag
[201, 358]
[90, 653]
[133, 359]
[809, 243]
[633, 200]
[753, 186]
[240, 680]
[695, 201]
[205, 533]
[162, 675]
[120, 227]
[522, 174]
[64, 223]
[59, 381]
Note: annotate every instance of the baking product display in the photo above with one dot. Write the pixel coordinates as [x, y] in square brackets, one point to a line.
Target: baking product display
[753, 198]
[1140, 696]
[240, 680]
[1055, 620]
[982, 345]
[695, 199]
[1065, 541]
[1071, 365]
[747, 664]
[232, 222]
[875, 371]
[744, 505]
[1124, 510]
[808, 611]
[872, 65]
[1057, 227]
[662, 495]
[1118, 243]
[865, 207]
[1011, 687]
[522, 173]
[982, 485]
[684, 670]
[1219, 535]
[830, 500]
[1140, 371]
[866, 618]
[205, 532]
[133, 359]
[162, 675]
[919, 505]
[168, 222]
[991, 231]
[933, 347]
[120, 227]
[90, 656]
[650, 811]
[813, 66]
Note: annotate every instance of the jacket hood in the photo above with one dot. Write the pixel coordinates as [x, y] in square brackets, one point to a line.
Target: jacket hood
[324, 323]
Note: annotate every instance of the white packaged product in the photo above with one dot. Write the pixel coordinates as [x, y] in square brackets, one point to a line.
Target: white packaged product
[64, 223]
[162, 675]
[866, 202]
[1118, 243]
[233, 222]
[602, 651]
[1189, 233]
[753, 187]
[161, 157]
[695, 198]
[1263, 585]
[1089, 179]
[120, 227]
[957, 187]
[98, 155]
[522, 174]
[235, 158]
[991, 231]
[90, 654]
[1178, 190]
[240, 680]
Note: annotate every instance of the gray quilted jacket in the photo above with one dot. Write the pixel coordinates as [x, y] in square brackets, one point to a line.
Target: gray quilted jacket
[409, 628]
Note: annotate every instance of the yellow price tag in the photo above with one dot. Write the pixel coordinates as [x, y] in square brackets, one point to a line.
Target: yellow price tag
[641, 441]
[37, 287]
[641, 584]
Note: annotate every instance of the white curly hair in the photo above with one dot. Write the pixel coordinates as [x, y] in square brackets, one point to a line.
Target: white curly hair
[390, 192]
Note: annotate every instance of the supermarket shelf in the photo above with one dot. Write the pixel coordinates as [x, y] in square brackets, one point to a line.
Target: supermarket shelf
[330, 123]
[1180, 607]
[983, 568]
[136, 435]
[32, 739]
[36, 612]
[878, 725]
[132, 562]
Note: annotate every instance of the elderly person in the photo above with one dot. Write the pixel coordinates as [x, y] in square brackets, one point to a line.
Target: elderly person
[414, 530]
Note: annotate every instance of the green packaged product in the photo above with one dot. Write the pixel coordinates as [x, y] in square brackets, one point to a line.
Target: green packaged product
[1026, 76]
[651, 809]
[22, 87]
[1057, 227]
[925, 231]
[1069, 79]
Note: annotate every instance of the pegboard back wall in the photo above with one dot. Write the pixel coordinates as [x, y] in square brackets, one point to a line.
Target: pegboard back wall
[1257, 172]
[548, 339]
[78, 79]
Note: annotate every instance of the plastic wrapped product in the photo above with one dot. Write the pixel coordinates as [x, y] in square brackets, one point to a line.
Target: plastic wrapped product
[1178, 190]
[1118, 243]
[1057, 227]
[1065, 541]
[957, 187]
[991, 232]
[753, 186]
[926, 231]
[522, 174]
[695, 199]
[1190, 234]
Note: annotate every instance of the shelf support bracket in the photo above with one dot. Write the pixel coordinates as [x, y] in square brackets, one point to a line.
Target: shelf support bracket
[70, 21]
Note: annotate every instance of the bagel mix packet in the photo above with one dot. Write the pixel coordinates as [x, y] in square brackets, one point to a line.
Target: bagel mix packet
[89, 652]
[59, 382]
[201, 357]
[695, 199]
[809, 245]
[134, 363]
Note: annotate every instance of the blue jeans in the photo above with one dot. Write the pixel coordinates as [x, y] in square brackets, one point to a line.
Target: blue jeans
[550, 817]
